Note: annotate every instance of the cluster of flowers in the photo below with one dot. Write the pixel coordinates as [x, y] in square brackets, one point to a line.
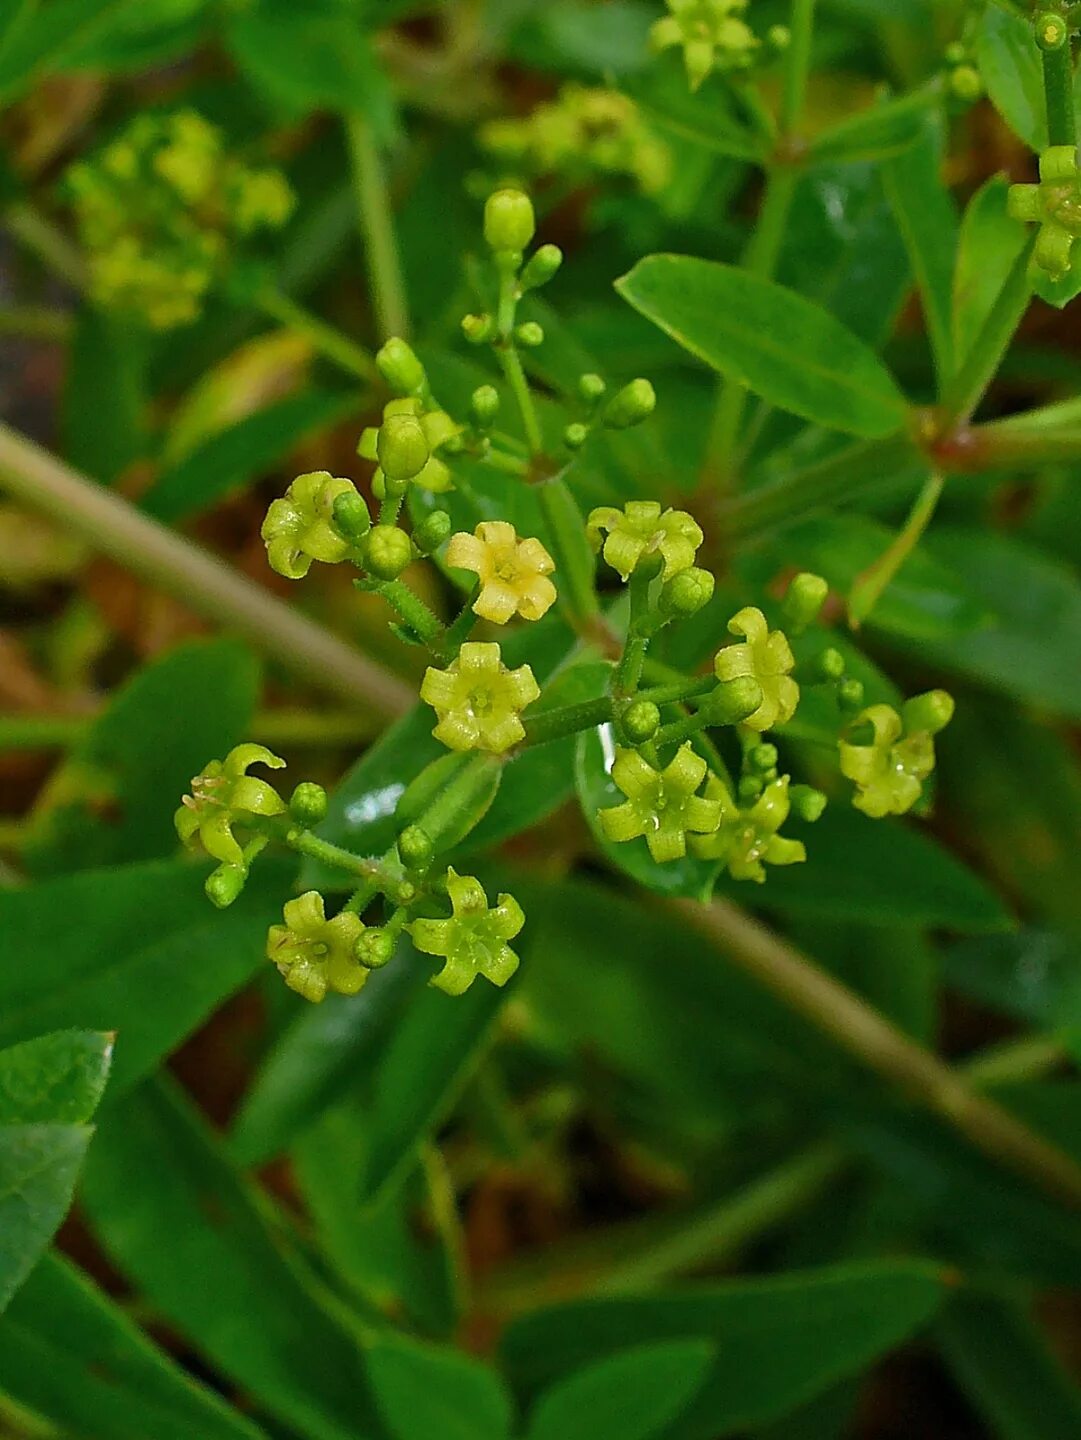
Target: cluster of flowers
[714, 37]
[160, 211]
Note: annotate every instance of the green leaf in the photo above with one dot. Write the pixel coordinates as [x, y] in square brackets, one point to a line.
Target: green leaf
[877, 133]
[431, 1055]
[634, 1394]
[1011, 69]
[54, 1079]
[927, 220]
[141, 36]
[1003, 1363]
[48, 1090]
[780, 1340]
[194, 1237]
[423, 1392]
[81, 951]
[778, 344]
[104, 396]
[1031, 975]
[233, 458]
[72, 1356]
[113, 798]
[707, 117]
[988, 245]
[45, 39]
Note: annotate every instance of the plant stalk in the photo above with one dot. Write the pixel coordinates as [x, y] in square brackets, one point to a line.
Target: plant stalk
[377, 227]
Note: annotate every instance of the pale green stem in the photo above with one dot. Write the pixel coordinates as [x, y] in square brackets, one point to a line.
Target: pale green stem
[326, 339]
[195, 577]
[523, 398]
[288, 728]
[867, 588]
[377, 228]
[798, 65]
[43, 239]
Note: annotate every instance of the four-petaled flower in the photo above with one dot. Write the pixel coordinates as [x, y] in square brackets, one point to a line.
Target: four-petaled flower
[661, 804]
[1055, 205]
[710, 35]
[747, 840]
[767, 657]
[478, 700]
[641, 529]
[315, 954]
[513, 573]
[299, 527]
[224, 794]
[474, 939]
[889, 771]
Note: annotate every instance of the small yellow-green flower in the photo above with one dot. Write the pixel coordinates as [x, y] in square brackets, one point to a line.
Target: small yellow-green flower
[478, 700]
[315, 954]
[299, 527]
[661, 804]
[223, 795]
[474, 939]
[1055, 205]
[513, 573]
[889, 771]
[710, 34]
[747, 840]
[766, 656]
[642, 529]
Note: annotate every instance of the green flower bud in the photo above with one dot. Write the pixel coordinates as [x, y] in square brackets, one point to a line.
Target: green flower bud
[631, 405]
[927, 713]
[415, 848]
[808, 804]
[733, 700]
[477, 329]
[373, 948]
[749, 788]
[779, 37]
[509, 222]
[351, 516]
[400, 368]
[308, 803]
[592, 389]
[387, 552]
[804, 598]
[829, 665]
[954, 53]
[966, 83]
[763, 758]
[432, 531]
[686, 593]
[402, 447]
[484, 406]
[640, 722]
[541, 267]
[575, 436]
[530, 334]
[1052, 32]
[224, 884]
[850, 694]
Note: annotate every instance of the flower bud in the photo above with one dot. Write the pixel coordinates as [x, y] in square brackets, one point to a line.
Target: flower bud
[591, 388]
[808, 804]
[954, 53]
[308, 804]
[749, 788]
[541, 267]
[387, 552]
[966, 83]
[763, 758]
[432, 531]
[827, 666]
[352, 519]
[686, 593]
[224, 884]
[804, 598]
[400, 368]
[733, 700]
[415, 848]
[373, 948]
[575, 435]
[928, 713]
[640, 722]
[509, 222]
[631, 405]
[484, 406]
[779, 37]
[1052, 32]
[530, 334]
[402, 447]
[477, 328]
[850, 694]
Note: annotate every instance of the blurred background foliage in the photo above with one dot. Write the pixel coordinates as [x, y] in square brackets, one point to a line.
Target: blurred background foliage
[635, 1194]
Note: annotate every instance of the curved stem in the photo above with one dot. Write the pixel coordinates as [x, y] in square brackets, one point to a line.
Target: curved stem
[377, 228]
[326, 339]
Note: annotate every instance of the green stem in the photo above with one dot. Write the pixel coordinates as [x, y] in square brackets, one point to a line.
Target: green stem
[679, 690]
[509, 464]
[326, 339]
[1058, 95]
[628, 672]
[968, 387]
[35, 322]
[45, 240]
[193, 576]
[382, 873]
[377, 227]
[573, 561]
[1016, 1060]
[867, 588]
[1007, 443]
[412, 610]
[797, 66]
[567, 720]
[680, 730]
[511, 362]
[270, 727]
